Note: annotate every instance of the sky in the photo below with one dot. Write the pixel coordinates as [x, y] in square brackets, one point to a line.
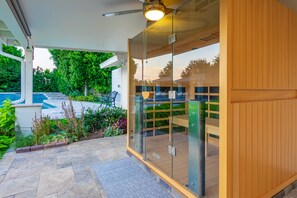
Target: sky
[42, 59]
[153, 66]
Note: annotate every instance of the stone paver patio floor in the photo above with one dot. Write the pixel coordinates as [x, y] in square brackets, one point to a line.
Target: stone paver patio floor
[59, 172]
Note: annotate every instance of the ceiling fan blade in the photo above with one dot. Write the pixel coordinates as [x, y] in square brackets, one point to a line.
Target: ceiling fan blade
[121, 13]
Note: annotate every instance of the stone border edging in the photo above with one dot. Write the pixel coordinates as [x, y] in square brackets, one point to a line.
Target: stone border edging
[40, 147]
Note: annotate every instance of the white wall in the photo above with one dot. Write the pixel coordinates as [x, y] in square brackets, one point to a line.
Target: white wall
[119, 84]
[124, 87]
[25, 115]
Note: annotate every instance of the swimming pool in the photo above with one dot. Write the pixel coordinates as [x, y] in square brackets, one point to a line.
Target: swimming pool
[37, 98]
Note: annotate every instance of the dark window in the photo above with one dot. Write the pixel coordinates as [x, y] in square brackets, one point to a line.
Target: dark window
[201, 98]
[214, 89]
[201, 90]
[214, 98]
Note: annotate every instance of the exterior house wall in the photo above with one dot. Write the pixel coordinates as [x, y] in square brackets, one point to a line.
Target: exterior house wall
[119, 84]
[124, 87]
[258, 98]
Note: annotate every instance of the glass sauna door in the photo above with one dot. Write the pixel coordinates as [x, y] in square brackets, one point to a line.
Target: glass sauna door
[195, 76]
[174, 95]
[156, 90]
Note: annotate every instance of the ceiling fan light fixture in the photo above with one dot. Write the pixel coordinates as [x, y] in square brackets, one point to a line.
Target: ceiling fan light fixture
[154, 11]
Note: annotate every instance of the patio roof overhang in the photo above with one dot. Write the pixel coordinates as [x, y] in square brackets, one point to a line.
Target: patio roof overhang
[75, 24]
[117, 60]
[10, 31]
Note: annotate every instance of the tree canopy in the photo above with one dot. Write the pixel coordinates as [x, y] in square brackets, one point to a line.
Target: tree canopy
[79, 71]
[167, 70]
[10, 70]
[44, 80]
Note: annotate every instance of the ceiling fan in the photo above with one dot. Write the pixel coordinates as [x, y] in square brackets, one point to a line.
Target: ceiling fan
[153, 10]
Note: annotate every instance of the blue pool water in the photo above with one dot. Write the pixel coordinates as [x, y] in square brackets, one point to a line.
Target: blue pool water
[37, 98]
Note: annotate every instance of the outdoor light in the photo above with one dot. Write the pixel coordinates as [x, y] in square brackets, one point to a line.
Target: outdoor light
[154, 11]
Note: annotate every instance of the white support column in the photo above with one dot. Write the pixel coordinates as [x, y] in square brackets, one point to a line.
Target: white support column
[23, 81]
[25, 113]
[29, 76]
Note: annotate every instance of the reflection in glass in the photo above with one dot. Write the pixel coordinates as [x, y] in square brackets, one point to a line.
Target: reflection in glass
[174, 79]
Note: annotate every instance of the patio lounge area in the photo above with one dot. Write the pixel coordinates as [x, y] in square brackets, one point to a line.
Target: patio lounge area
[60, 172]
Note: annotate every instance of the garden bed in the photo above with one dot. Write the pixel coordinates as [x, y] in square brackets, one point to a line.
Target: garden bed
[49, 133]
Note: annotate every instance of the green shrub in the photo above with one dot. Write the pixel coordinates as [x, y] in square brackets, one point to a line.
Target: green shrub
[72, 126]
[90, 98]
[41, 128]
[112, 131]
[102, 118]
[5, 142]
[60, 137]
[2, 152]
[7, 119]
[23, 141]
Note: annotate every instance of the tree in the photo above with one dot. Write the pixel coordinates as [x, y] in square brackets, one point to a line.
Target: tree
[80, 71]
[195, 67]
[166, 71]
[10, 70]
[44, 80]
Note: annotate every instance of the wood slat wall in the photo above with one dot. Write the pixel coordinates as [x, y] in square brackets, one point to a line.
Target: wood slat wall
[258, 83]
[265, 45]
[264, 145]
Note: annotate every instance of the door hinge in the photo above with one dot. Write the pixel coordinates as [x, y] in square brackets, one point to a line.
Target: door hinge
[172, 95]
[171, 150]
[172, 39]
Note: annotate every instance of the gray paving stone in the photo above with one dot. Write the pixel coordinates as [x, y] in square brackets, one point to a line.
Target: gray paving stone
[1, 178]
[16, 173]
[54, 195]
[84, 177]
[111, 154]
[18, 163]
[55, 181]
[42, 161]
[30, 155]
[88, 190]
[84, 164]
[61, 172]
[18, 186]
[27, 194]
[56, 150]
[3, 169]
[64, 165]
[70, 157]
[7, 159]
[68, 193]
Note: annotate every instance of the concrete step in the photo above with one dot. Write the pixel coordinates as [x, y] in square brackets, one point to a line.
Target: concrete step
[56, 96]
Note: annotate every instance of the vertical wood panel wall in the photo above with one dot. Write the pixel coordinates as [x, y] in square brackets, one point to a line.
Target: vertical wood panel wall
[265, 45]
[260, 119]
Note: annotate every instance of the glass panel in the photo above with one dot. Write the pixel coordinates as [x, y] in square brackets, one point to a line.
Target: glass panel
[174, 95]
[196, 73]
[214, 89]
[201, 89]
[158, 108]
[135, 90]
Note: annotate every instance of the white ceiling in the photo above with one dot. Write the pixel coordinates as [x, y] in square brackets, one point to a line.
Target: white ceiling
[79, 24]
[10, 32]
